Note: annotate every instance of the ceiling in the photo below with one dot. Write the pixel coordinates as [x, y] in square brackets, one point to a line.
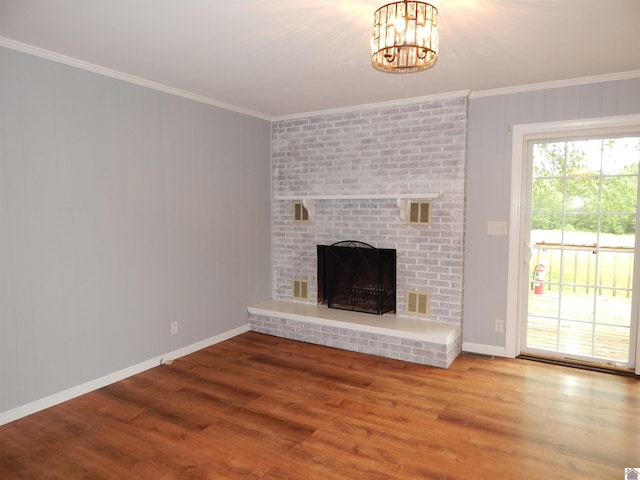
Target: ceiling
[278, 58]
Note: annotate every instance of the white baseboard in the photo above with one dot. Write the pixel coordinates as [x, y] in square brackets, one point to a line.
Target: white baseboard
[73, 392]
[484, 349]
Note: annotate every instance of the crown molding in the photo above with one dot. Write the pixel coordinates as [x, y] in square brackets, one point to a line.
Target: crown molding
[571, 82]
[109, 72]
[369, 106]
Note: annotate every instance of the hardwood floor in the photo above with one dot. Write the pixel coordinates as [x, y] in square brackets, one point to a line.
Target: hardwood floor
[264, 407]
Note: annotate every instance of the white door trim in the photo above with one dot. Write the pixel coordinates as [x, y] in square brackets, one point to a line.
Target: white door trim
[521, 134]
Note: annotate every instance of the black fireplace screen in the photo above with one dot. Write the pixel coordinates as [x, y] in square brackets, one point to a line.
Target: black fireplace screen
[356, 276]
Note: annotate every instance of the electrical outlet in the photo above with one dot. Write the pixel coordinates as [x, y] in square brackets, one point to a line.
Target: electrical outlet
[499, 326]
[174, 328]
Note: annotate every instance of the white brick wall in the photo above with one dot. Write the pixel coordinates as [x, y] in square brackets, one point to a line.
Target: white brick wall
[417, 148]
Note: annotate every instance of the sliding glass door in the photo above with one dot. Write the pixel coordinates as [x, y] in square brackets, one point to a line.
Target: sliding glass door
[582, 197]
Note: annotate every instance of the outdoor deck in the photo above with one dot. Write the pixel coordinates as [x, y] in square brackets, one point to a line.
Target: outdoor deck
[575, 333]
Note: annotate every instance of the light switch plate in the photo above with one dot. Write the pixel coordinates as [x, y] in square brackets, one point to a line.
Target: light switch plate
[497, 228]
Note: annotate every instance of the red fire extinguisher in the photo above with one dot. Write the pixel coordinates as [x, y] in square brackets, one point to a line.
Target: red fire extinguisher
[538, 279]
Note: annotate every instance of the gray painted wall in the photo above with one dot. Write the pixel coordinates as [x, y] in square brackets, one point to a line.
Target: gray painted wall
[122, 209]
[489, 184]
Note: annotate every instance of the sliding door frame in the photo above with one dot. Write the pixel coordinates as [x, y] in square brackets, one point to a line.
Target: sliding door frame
[517, 283]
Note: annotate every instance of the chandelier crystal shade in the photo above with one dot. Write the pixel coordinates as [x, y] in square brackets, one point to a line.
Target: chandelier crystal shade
[405, 37]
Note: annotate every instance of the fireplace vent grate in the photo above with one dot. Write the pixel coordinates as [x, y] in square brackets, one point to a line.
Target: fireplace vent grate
[418, 302]
[419, 213]
[300, 212]
[300, 289]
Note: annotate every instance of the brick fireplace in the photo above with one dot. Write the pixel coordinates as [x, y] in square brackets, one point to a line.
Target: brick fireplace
[406, 150]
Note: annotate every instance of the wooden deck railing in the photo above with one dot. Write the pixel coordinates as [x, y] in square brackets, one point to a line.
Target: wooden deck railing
[576, 268]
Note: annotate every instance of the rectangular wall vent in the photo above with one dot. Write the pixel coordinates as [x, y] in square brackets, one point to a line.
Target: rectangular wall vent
[418, 302]
[300, 289]
[300, 213]
[420, 213]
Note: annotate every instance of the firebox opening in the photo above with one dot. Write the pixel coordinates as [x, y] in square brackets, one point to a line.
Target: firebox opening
[356, 276]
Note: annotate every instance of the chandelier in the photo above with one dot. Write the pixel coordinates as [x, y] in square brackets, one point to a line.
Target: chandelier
[405, 37]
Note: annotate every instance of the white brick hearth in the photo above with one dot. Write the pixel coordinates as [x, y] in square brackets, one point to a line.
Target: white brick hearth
[390, 336]
[402, 150]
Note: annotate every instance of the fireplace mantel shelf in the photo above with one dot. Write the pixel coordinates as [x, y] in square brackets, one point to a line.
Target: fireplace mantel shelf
[365, 196]
[401, 199]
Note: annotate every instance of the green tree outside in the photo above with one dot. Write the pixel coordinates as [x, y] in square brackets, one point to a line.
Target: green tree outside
[586, 186]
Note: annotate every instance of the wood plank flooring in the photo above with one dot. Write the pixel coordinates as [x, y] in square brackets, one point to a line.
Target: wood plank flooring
[261, 407]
